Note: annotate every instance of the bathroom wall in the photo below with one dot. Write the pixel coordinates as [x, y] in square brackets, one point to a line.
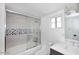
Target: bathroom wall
[22, 33]
[2, 28]
[52, 35]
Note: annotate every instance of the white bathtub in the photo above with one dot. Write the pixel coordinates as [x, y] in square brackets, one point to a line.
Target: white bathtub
[21, 50]
[31, 51]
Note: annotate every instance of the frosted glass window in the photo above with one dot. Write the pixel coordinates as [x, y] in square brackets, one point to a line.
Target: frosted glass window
[53, 23]
[58, 22]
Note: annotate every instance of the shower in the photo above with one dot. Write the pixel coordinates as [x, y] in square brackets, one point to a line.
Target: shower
[22, 33]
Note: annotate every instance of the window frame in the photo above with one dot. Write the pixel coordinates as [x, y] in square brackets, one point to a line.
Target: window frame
[56, 22]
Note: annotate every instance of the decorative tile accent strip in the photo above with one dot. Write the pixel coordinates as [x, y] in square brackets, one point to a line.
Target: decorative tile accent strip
[18, 31]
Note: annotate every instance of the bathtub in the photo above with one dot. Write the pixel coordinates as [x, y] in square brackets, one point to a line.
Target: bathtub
[21, 50]
[31, 51]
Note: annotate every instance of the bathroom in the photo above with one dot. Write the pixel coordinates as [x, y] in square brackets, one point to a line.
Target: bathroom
[39, 29]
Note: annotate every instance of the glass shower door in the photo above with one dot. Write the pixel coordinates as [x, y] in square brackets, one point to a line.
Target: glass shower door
[22, 33]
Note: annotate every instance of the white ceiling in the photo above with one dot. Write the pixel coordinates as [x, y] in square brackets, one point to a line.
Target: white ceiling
[35, 9]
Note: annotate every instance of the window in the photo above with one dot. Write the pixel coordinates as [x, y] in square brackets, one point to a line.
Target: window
[56, 22]
[53, 22]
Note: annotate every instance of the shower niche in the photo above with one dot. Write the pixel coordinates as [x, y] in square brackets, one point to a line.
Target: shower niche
[22, 33]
